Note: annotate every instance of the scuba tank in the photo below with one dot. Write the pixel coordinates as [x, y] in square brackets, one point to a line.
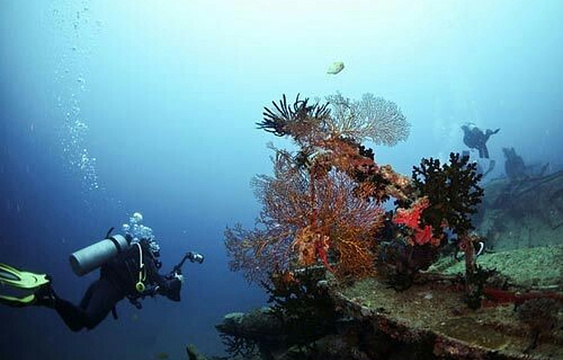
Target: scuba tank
[92, 257]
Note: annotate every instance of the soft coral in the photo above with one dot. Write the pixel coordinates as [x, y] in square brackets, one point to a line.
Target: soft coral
[411, 218]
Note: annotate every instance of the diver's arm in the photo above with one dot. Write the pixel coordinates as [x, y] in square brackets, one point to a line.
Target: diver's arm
[168, 286]
[172, 288]
[490, 132]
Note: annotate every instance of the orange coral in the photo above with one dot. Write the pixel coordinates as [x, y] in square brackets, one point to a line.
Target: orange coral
[344, 155]
[355, 254]
[400, 186]
[307, 217]
[424, 236]
[321, 247]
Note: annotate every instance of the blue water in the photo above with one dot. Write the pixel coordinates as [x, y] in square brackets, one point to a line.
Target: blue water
[107, 108]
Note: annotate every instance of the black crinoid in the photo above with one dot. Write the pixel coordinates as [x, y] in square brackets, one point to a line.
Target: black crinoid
[239, 347]
[288, 119]
[453, 190]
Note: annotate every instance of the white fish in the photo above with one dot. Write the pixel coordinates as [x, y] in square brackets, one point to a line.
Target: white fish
[335, 68]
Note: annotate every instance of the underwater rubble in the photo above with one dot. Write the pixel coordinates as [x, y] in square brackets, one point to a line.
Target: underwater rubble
[434, 317]
[429, 320]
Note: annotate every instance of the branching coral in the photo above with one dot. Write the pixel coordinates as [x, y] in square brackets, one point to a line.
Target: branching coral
[453, 191]
[437, 197]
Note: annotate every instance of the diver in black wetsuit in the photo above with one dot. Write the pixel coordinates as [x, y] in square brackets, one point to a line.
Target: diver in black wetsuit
[128, 269]
[133, 274]
[474, 138]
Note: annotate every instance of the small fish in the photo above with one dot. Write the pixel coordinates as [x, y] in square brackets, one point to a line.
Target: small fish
[162, 356]
[335, 68]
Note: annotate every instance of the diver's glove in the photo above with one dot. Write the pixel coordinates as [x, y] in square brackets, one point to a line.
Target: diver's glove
[195, 257]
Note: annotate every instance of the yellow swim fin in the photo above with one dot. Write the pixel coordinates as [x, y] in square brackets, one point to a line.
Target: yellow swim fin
[16, 301]
[19, 279]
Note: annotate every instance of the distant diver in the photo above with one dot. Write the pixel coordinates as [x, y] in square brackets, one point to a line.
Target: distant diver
[128, 268]
[474, 138]
[514, 166]
[516, 170]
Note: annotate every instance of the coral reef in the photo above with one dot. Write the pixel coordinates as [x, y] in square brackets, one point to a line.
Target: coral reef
[347, 279]
[324, 202]
[314, 209]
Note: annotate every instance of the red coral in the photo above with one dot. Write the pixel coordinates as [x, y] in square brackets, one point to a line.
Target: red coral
[498, 296]
[410, 217]
[321, 247]
[423, 236]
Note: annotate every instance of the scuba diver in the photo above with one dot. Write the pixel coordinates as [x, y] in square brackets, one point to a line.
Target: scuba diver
[517, 171]
[514, 165]
[128, 268]
[474, 138]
